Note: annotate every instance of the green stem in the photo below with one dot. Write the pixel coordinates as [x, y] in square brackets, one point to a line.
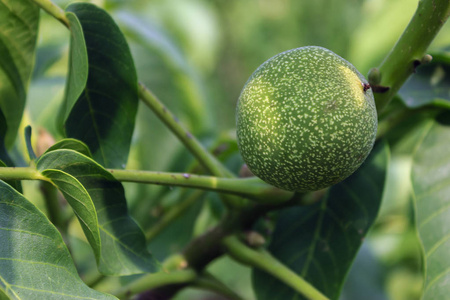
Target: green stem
[252, 188]
[155, 280]
[174, 272]
[205, 158]
[266, 262]
[171, 215]
[174, 262]
[210, 283]
[53, 10]
[23, 173]
[407, 54]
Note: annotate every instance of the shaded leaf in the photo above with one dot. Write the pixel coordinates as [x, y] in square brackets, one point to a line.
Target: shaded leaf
[18, 31]
[366, 277]
[320, 242]
[430, 178]
[164, 244]
[101, 109]
[3, 152]
[5, 160]
[34, 261]
[430, 85]
[71, 144]
[123, 249]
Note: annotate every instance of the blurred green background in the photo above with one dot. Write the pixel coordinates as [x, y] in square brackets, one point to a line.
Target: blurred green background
[196, 55]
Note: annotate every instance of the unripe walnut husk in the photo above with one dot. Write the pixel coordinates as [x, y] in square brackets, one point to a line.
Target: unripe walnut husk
[306, 119]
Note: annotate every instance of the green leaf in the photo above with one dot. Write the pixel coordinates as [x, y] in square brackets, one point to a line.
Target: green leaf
[430, 179]
[18, 31]
[30, 150]
[320, 242]
[101, 95]
[78, 67]
[71, 144]
[5, 160]
[430, 85]
[78, 198]
[3, 152]
[34, 261]
[366, 277]
[122, 249]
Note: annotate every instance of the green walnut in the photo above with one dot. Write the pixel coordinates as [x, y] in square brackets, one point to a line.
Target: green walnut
[306, 119]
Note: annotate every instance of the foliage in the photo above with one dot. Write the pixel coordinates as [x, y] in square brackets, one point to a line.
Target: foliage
[137, 170]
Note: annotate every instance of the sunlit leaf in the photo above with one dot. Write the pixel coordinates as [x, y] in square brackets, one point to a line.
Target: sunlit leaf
[34, 261]
[18, 32]
[320, 242]
[121, 249]
[100, 109]
[72, 144]
[430, 178]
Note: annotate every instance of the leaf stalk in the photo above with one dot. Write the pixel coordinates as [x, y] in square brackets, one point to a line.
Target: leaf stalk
[172, 214]
[208, 282]
[262, 259]
[53, 10]
[21, 173]
[151, 281]
[252, 188]
[203, 156]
